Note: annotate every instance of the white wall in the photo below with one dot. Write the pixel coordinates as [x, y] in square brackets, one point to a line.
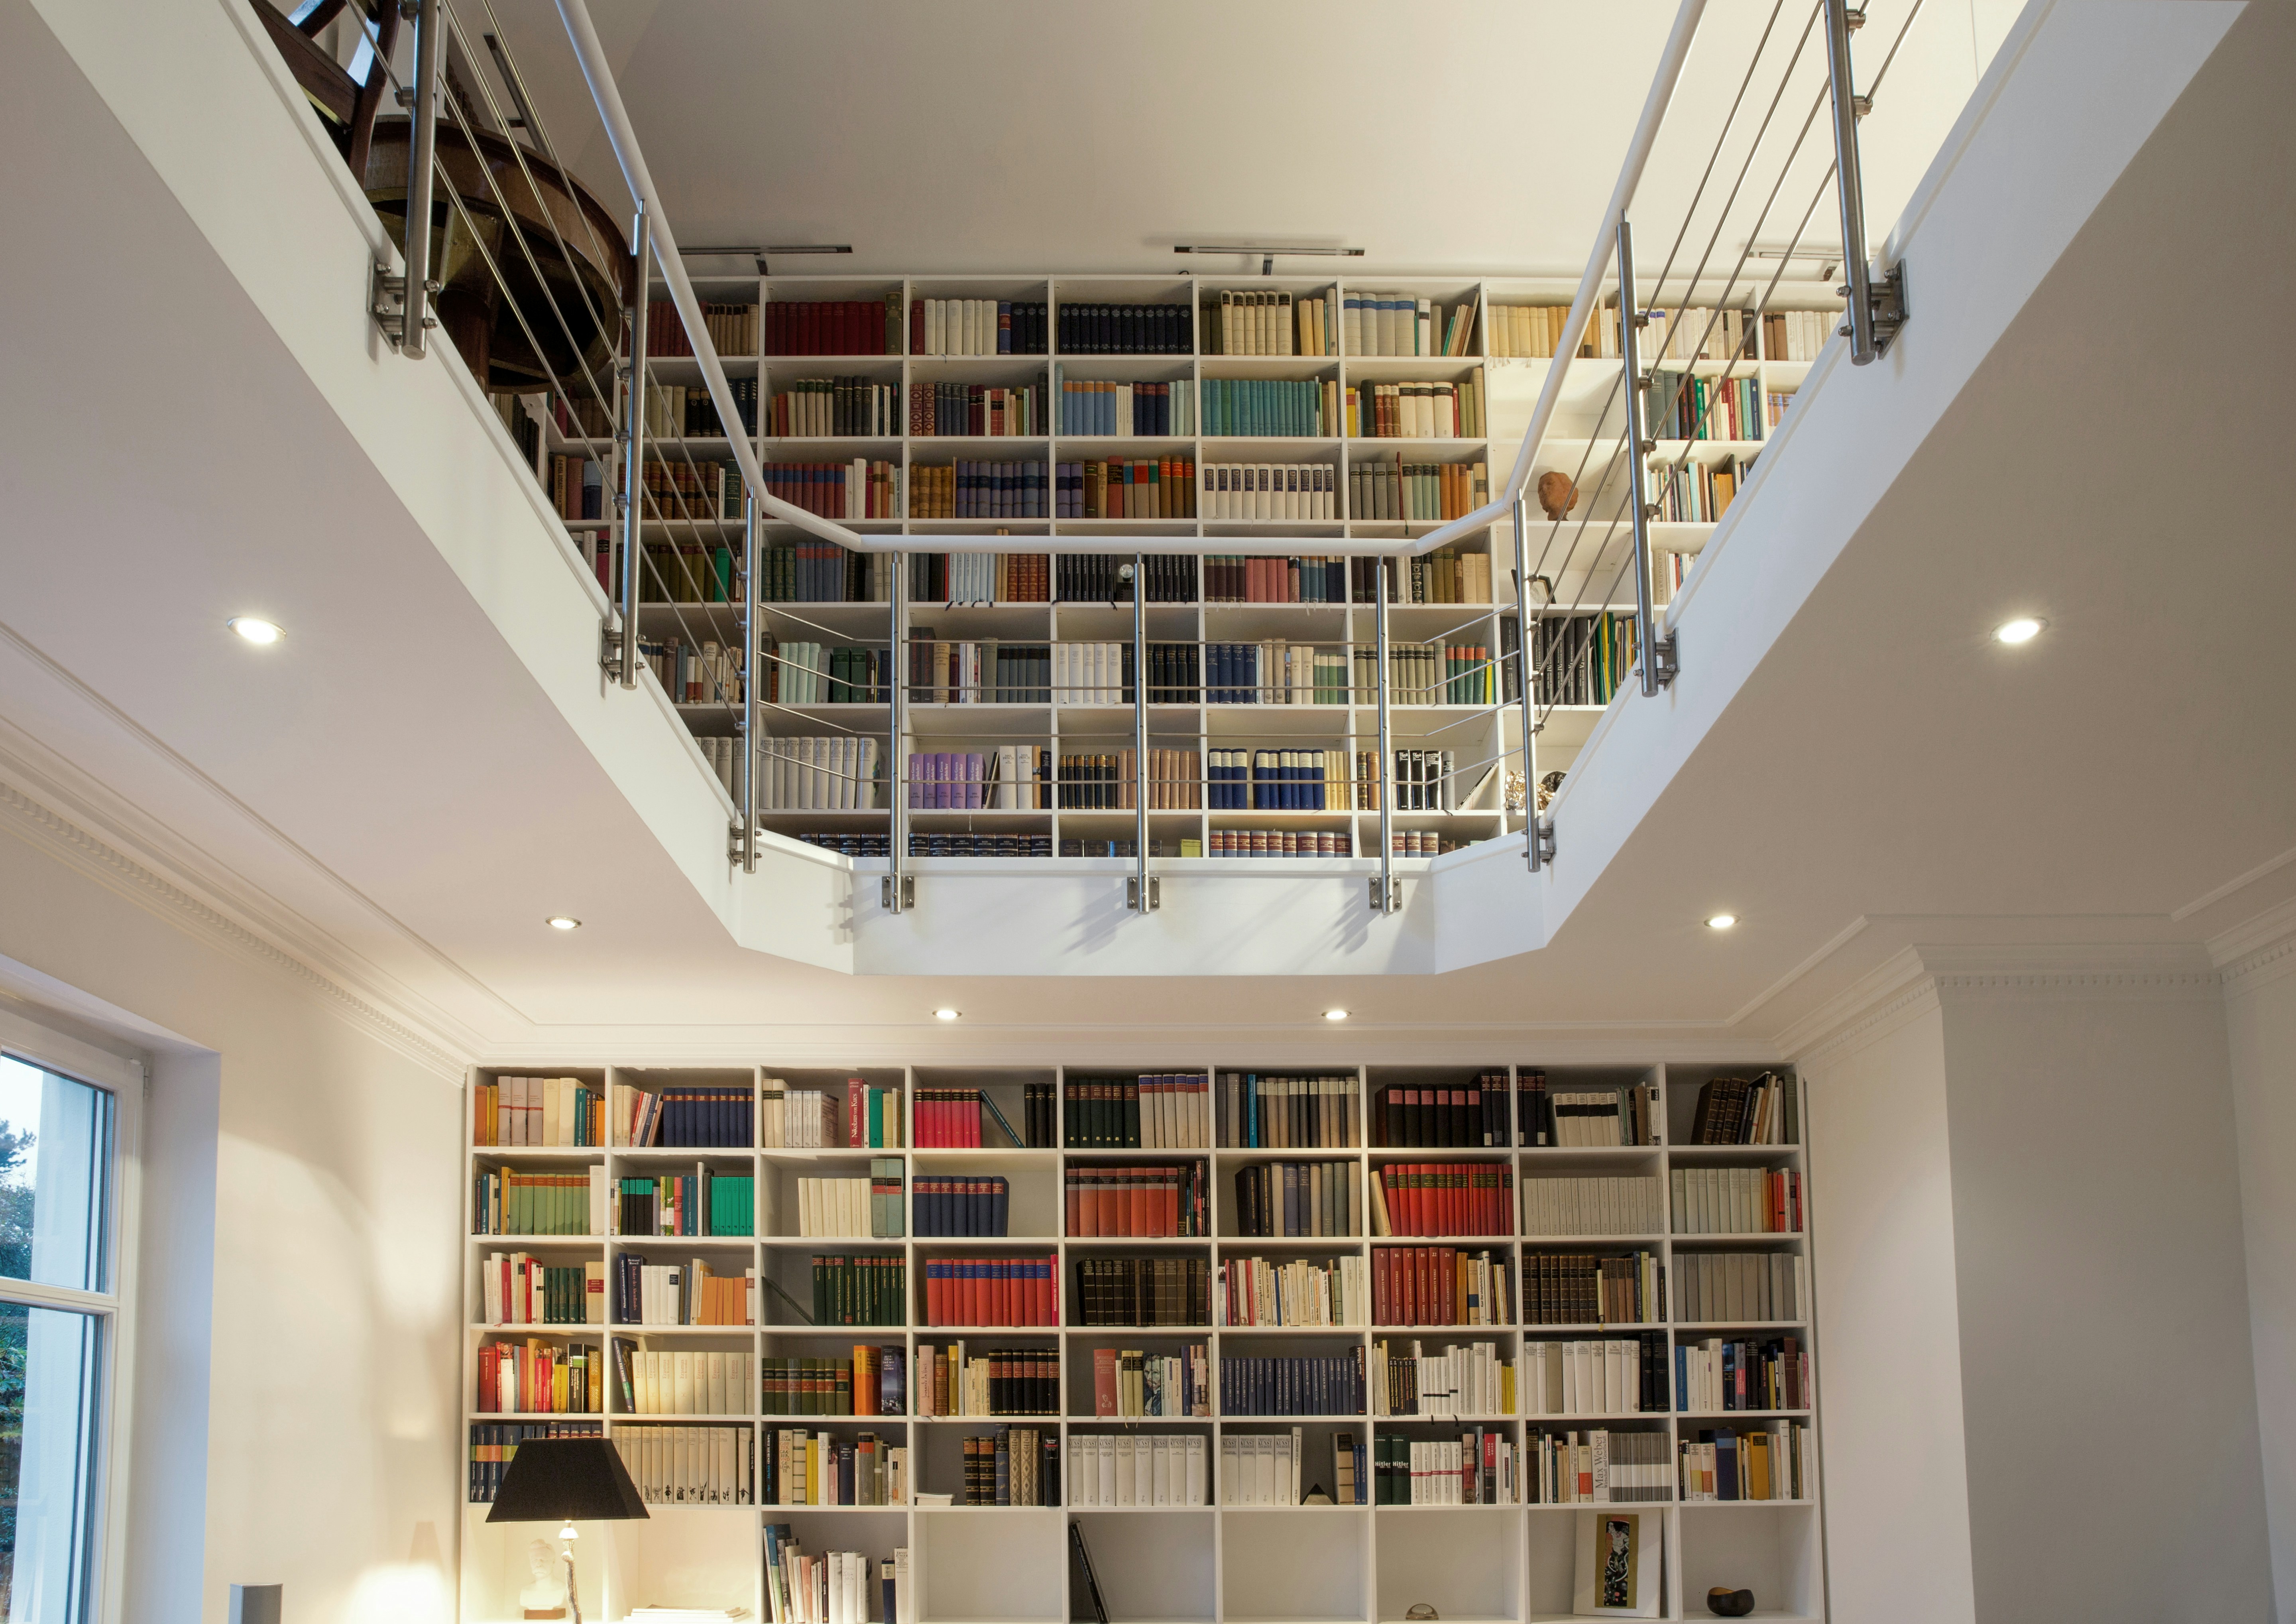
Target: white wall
[2261, 1023]
[1888, 1371]
[305, 1394]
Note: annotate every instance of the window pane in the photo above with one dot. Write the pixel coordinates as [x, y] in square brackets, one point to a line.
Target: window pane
[56, 1157]
[49, 1426]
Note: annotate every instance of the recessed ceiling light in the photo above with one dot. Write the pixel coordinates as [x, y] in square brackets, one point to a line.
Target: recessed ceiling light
[564, 921]
[1720, 922]
[253, 629]
[947, 1014]
[2024, 628]
[1335, 1014]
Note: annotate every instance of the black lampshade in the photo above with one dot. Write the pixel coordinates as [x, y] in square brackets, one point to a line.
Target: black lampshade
[566, 1479]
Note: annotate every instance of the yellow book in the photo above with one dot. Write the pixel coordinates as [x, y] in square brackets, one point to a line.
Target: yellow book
[1506, 1389]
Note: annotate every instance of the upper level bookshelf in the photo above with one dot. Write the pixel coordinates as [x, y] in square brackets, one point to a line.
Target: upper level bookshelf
[1325, 1264]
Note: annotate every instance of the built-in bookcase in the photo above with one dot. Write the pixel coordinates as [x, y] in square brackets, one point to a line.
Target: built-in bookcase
[1580, 560]
[1346, 1564]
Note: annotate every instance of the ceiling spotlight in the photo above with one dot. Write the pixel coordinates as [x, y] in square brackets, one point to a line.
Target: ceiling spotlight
[947, 1014]
[253, 629]
[2022, 629]
[1721, 922]
[1335, 1014]
[563, 922]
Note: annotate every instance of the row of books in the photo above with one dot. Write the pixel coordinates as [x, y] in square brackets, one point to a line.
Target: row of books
[1441, 1285]
[515, 1289]
[988, 671]
[858, 1208]
[1163, 1289]
[1121, 1203]
[1687, 492]
[1012, 1466]
[872, 1115]
[980, 577]
[537, 1110]
[970, 489]
[1477, 1468]
[1129, 1384]
[1773, 1463]
[1742, 1110]
[803, 673]
[494, 1442]
[1112, 1470]
[1601, 1467]
[507, 1202]
[1740, 1287]
[1736, 1200]
[1306, 491]
[1612, 1376]
[1687, 407]
[1270, 323]
[1126, 487]
[976, 327]
[966, 1206]
[1162, 1111]
[1276, 844]
[684, 1114]
[1275, 779]
[860, 1291]
[1596, 1206]
[1373, 324]
[682, 1381]
[1305, 1292]
[1448, 575]
[1094, 578]
[1295, 408]
[835, 327]
[1235, 577]
[1797, 335]
[858, 488]
[733, 328]
[871, 1383]
[538, 1378]
[821, 572]
[992, 1291]
[1272, 672]
[1417, 493]
[692, 1293]
[1695, 333]
[1146, 410]
[1580, 660]
[577, 486]
[1717, 1375]
[687, 411]
[702, 1202]
[1415, 411]
[1584, 1289]
[1261, 1468]
[801, 1468]
[797, 1119]
[949, 1116]
[1299, 1199]
[1525, 330]
[1134, 329]
[686, 571]
[1469, 1381]
[981, 411]
[849, 405]
[1471, 1114]
[809, 772]
[1258, 1111]
[678, 488]
[1296, 1385]
[1442, 1198]
[953, 1381]
[836, 1588]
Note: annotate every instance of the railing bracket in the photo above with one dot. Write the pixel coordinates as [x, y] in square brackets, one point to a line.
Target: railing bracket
[898, 892]
[1665, 658]
[1543, 832]
[1391, 902]
[387, 303]
[1886, 299]
[1155, 883]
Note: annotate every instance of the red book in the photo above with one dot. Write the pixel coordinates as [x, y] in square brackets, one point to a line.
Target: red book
[1048, 1292]
[916, 327]
[857, 1092]
[1103, 1380]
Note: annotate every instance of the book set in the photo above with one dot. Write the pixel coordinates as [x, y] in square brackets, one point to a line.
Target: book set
[772, 1370]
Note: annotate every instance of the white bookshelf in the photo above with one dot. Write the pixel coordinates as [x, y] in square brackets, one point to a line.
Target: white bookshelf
[1476, 734]
[1214, 1564]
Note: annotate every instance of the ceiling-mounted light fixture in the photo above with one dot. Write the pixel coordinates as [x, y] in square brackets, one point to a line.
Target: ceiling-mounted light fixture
[1267, 253]
[1335, 1014]
[947, 1014]
[255, 630]
[752, 252]
[2024, 628]
[1720, 922]
[563, 922]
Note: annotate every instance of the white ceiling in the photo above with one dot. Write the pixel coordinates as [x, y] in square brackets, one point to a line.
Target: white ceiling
[393, 798]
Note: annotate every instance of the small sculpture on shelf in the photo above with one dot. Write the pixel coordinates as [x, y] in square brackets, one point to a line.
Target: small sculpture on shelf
[1557, 494]
[1549, 785]
[1513, 791]
[546, 1597]
[1724, 1602]
[1420, 1611]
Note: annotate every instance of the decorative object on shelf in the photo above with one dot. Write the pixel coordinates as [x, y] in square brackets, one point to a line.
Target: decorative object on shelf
[1726, 1603]
[1549, 785]
[1620, 1562]
[566, 1481]
[1420, 1611]
[1316, 1496]
[546, 1597]
[1557, 494]
[1515, 791]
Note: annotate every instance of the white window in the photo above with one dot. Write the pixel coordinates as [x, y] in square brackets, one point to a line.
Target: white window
[68, 1115]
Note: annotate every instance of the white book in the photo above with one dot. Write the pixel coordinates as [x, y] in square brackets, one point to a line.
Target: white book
[1161, 1471]
[1126, 1484]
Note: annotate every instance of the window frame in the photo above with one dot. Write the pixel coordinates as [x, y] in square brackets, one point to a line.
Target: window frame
[127, 1079]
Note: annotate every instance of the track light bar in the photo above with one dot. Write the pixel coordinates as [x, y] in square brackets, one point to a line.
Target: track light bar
[1268, 255]
[759, 254]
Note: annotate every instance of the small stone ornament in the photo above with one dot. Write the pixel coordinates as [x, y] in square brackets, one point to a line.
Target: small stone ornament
[1316, 1496]
[1420, 1611]
[1556, 493]
[1726, 1603]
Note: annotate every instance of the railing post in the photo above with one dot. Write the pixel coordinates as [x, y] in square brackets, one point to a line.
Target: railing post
[752, 673]
[1142, 898]
[1538, 835]
[630, 435]
[415, 319]
[898, 891]
[1383, 899]
[1653, 654]
[1875, 314]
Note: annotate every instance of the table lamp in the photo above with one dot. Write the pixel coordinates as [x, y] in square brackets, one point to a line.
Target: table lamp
[566, 1481]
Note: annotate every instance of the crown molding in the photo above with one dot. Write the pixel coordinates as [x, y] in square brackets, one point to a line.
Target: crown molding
[2074, 972]
[48, 830]
[2258, 952]
[1887, 997]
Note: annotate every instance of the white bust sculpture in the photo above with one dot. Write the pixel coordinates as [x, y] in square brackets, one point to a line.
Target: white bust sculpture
[546, 1597]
